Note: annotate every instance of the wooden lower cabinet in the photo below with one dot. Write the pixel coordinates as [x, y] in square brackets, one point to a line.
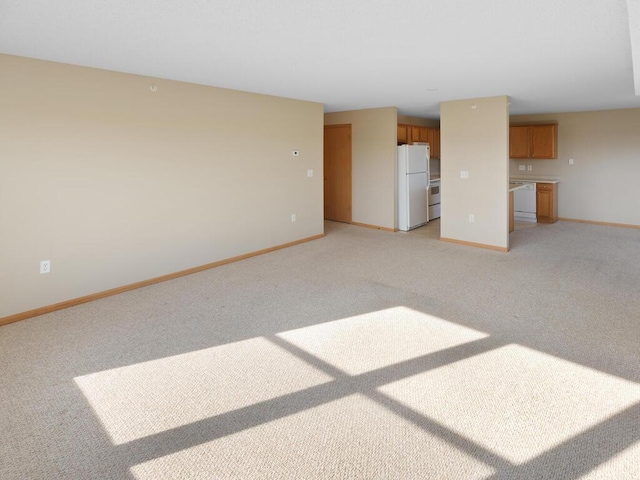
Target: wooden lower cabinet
[511, 220]
[547, 202]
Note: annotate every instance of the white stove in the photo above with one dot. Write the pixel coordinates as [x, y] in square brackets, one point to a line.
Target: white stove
[434, 198]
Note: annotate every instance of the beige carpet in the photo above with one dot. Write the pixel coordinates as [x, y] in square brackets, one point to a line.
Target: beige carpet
[365, 354]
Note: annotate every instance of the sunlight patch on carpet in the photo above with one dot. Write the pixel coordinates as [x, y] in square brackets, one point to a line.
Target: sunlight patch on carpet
[379, 339]
[150, 397]
[352, 437]
[515, 401]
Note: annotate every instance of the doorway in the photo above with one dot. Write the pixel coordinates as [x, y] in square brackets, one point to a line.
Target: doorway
[337, 173]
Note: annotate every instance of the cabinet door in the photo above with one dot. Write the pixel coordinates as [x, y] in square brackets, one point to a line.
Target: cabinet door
[511, 212]
[430, 141]
[435, 145]
[543, 141]
[519, 142]
[434, 142]
[418, 134]
[403, 136]
[543, 205]
[547, 202]
[415, 134]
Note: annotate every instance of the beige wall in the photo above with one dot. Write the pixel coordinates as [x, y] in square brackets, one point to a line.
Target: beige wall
[475, 140]
[374, 156]
[117, 184]
[602, 185]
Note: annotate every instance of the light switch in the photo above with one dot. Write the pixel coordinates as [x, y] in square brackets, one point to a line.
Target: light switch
[464, 174]
[522, 168]
[571, 161]
[309, 173]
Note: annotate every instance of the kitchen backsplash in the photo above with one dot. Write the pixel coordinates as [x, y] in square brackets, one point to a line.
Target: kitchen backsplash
[538, 167]
[434, 166]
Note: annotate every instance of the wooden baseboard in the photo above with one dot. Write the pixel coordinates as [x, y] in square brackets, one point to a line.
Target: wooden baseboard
[375, 227]
[473, 244]
[604, 224]
[132, 286]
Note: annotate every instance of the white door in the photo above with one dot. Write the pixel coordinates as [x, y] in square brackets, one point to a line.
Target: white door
[417, 184]
[417, 159]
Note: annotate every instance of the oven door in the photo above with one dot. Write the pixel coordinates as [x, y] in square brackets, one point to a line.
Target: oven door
[434, 193]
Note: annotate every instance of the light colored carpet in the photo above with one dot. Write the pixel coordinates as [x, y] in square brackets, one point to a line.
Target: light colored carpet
[364, 354]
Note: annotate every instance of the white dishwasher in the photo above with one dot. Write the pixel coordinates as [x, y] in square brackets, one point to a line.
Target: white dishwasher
[524, 203]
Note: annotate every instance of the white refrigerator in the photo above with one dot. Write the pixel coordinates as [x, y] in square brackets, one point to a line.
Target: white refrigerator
[413, 182]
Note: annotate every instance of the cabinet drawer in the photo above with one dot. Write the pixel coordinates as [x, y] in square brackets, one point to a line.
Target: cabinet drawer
[542, 187]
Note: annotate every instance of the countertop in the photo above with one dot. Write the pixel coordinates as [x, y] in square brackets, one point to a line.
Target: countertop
[515, 186]
[532, 179]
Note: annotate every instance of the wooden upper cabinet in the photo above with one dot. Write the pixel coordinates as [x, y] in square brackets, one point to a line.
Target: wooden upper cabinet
[434, 142]
[403, 133]
[519, 142]
[415, 133]
[419, 134]
[533, 141]
[544, 139]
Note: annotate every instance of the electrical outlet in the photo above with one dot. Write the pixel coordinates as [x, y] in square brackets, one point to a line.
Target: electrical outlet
[45, 266]
[522, 168]
[295, 153]
[529, 168]
[571, 161]
[464, 174]
[293, 217]
[472, 218]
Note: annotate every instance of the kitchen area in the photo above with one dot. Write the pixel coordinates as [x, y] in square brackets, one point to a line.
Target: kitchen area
[419, 177]
[532, 199]
[591, 146]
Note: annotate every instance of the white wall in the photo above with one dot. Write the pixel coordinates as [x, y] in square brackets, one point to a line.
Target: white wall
[602, 185]
[116, 184]
[374, 156]
[475, 140]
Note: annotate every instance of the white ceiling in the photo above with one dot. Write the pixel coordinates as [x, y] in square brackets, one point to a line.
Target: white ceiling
[547, 55]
